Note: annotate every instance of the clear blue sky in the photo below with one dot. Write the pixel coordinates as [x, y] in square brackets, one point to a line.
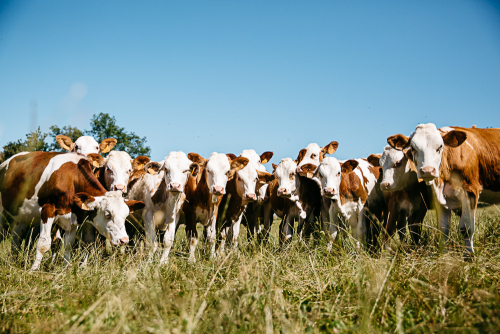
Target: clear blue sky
[204, 76]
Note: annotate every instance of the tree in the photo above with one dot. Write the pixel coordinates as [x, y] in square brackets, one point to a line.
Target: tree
[35, 141]
[72, 132]
[104, 126]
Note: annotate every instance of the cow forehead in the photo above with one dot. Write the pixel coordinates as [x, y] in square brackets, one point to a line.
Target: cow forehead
[390, 155]
[87, 142]
[426, 135]
[313, 148]
[114, 201]
[218, 162]
[248, 172]
[251, 155]
[286, 166]
[177, 160]
[119, 159]
[329, 166]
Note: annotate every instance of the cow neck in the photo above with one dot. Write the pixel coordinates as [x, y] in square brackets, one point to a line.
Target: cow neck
[233, 201]
[135, 177]
[351, 189]
[99, 174]
[85, 181]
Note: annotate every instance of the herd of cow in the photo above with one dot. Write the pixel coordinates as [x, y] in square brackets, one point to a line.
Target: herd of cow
[449, 169]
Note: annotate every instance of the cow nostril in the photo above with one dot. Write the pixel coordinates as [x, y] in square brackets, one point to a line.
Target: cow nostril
[124, 241]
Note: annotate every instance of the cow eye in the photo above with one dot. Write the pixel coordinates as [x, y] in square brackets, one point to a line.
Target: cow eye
[292, 176]
[313, 155]
[107, 214]
[439, 148]
[338, 174]
[227, 173]
[397, 164]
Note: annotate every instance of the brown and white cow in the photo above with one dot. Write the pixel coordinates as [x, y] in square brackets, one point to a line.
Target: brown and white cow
[161, 186]
[462, 167]
[351, 195]
[85, 144]
[204, 191]
[301, 198]
[407, 198]
[56, 187]
[313, 154]
[241, 191]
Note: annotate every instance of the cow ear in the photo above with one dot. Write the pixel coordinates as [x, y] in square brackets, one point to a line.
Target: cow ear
[349, 166]
[194, 168]
[274, 167]
[96, 160]
[264, 177]
[265, 157]
[301, 155]
[134, 205]
[454, 138]
[231, 156]
[330, 148]
[309, 170]
[83, 200]
[374, 159]
[398, 142]
[195, 157]
[106, 145]
[139, 162]
[238, 164]
[153, 167]
[65, 142]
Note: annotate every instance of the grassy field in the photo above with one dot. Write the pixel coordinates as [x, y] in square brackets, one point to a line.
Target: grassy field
[302, 288]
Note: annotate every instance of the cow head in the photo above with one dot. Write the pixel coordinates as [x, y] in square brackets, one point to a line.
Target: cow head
[177, 167]
[111, 210]
[396, 169]
[219, 168]
[85, 144]
[329, 175]
[426, 146]
[253, 176]
[118, 167]
[314, 154]
[286, 174]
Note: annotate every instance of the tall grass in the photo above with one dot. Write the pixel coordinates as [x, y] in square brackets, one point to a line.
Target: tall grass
[261, 289]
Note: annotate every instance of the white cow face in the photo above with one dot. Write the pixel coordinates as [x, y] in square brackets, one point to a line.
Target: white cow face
[117, 170]
[426, 147]
[111, 212]
[329, 176]
[251, 178]
[396, 169]
[314, 154]
[286, 175]
[86, 144]
[177, 168]
[219, 169]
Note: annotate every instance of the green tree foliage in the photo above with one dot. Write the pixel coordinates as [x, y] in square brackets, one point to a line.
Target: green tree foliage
[104, 126]
[35, 141]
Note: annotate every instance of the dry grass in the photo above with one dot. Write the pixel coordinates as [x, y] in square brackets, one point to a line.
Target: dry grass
[302, 288]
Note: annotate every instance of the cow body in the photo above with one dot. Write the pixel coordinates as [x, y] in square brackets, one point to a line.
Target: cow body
[351, 195]
[54, 187]
[462, 167]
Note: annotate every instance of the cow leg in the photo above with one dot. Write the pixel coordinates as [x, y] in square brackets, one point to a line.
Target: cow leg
[18, 234]
[88, 233]
[444, 219]
[149, 226]
[268, 219]
[69, 238]
[224, 233]
[415, 224]
[236, 232]
[192, 240]
[467, 222]
[286, 230]
[44, 241]
[360, 228]
[168, 241]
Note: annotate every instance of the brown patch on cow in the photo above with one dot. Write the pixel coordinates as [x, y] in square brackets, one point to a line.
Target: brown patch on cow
[231, 156]
[134, 205]
[106, 145]
[195, 157]
[48, 211]
[96, 160]
[301, 155]
[264, 177]
[274, 167]
[309, 170]
[18, 182]
[236, 165]
[82, 200]
[351, 189]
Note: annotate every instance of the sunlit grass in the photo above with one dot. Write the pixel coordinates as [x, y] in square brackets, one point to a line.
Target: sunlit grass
[262, 289]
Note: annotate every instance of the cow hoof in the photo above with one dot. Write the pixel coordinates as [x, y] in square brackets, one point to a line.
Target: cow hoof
[468, 256]
[192, 259]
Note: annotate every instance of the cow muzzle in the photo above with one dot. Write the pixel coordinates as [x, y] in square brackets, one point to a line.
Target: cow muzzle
[385, 186]
[123, 241]
[250, 197]
[217, 190]
[174, 187]
[428, 173]
[329, 192]
[119, 187]
[283, 192]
